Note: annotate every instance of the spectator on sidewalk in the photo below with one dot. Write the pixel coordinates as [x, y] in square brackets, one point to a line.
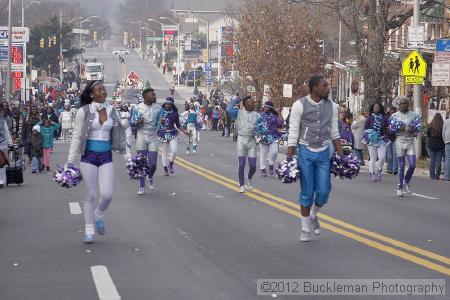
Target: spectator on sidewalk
[27, 128]
[436, 145]
[37, 149]
[215, 118]
[391, 150]
[65, 119]
[358, 129]
[48, 130]
[446, 137]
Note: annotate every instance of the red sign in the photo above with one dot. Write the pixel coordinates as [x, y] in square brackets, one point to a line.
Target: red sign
[17, 55]
[17, 80]
[169, 32]
[133, 76]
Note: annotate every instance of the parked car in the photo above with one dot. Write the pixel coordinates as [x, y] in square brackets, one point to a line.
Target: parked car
[121, 52]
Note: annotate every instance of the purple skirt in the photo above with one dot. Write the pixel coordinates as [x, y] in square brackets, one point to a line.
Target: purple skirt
[97, 158]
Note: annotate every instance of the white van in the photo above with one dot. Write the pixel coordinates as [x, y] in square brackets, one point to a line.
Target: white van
[94, 71]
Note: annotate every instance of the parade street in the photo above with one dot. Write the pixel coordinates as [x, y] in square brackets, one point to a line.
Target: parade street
[196, 237]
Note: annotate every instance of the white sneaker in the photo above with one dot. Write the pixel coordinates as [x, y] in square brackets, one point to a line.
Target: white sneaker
[188, 152]
[407, 188]
[194, 151]
[250, 184]
[305, 236]
[400, 193]
[150, 184]
[241, 189]
[141, 191]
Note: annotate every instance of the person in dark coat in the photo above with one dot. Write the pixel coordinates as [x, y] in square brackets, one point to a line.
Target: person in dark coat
[37, 149]
[27, 128]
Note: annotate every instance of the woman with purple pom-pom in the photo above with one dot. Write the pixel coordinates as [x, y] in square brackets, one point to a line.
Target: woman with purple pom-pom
[375, 137]
[97, 131]
[406, 125]
[313, 129]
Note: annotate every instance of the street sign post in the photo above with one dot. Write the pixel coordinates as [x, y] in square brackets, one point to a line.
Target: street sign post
[442, 50]
[154, 38]
[415, 36]
[441, 73]
[414, 68]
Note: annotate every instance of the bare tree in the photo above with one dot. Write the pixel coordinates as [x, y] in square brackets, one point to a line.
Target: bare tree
[277, 44]
[369, 23]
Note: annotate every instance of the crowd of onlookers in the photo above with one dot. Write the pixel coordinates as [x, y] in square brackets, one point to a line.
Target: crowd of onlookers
[35, 128]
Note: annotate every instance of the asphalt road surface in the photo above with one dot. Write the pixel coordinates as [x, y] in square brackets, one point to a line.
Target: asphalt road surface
[195, 237]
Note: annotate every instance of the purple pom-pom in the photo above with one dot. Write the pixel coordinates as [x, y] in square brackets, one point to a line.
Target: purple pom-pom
[288, 171]
[346, 167]
[67, 177]
[137, 167]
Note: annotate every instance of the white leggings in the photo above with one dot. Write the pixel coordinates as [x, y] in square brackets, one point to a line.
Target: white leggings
[268, 153]
[374, 153]
[173, 147]
[97, 177]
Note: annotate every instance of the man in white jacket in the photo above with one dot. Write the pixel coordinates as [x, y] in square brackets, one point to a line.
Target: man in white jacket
[65, 120]
[313, 129]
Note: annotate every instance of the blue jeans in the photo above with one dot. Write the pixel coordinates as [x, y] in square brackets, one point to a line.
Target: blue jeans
[315, 178]
[36, 164]
[447, 162]
[435, 163]
[359, 154]
[391, 157]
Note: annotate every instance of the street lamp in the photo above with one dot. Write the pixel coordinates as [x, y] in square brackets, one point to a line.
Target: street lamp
[162, 29]
[23, 9]
[81, 22]
[207, 42]
[179, 49]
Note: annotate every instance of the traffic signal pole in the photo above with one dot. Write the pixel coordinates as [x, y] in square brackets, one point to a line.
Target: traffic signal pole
[416, 87]
[8, 70]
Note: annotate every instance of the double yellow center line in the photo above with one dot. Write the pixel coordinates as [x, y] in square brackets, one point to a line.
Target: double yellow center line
[372, 239]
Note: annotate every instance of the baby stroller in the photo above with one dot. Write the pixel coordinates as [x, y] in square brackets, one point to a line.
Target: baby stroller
[14, 172]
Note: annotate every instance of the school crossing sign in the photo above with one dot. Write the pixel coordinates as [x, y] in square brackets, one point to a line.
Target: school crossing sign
[414, 68]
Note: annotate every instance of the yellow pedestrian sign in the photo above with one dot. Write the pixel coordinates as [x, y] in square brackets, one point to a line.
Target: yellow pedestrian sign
[414, 68]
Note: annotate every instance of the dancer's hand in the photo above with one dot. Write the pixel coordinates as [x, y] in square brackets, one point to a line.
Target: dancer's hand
[290, 153]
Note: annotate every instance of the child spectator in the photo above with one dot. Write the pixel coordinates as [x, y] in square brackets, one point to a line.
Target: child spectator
[48, 132]
[37, 145]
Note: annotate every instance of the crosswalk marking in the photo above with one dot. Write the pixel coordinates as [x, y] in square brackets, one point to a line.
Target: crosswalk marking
[106, 289]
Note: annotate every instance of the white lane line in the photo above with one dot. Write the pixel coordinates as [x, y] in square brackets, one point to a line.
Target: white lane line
[75, 208]
[106, 289]
[425, 196]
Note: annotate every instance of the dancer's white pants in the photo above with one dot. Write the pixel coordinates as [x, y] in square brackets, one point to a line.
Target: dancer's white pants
[269, 153]
[377, 152]
[101, 178]
[169, 147]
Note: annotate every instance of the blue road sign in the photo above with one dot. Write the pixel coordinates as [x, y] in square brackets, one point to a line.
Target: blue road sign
[208, 67]
[443, 45]
[208, 81]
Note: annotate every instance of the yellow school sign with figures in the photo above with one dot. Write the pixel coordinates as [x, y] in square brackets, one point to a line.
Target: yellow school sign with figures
[414, 68]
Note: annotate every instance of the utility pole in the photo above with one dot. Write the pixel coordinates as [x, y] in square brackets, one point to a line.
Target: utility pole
[416, 91]
[8, 72]
[61, 59]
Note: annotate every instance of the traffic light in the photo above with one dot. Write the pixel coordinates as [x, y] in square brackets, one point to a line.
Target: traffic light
[50, 42]
[95, 36]
[54, 40]
[42, 43]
